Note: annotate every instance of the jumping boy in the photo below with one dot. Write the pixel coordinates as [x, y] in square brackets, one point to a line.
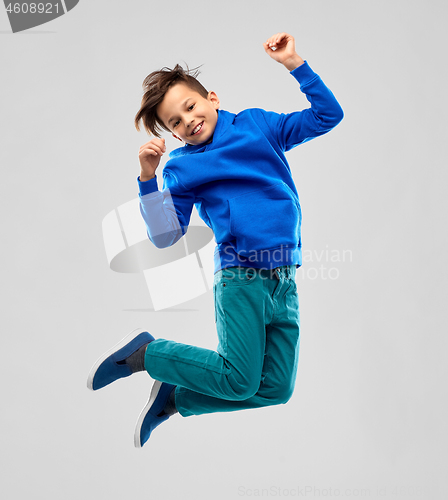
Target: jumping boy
[233, 169]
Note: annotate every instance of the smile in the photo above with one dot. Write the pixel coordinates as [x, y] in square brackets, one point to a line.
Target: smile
[197, 129]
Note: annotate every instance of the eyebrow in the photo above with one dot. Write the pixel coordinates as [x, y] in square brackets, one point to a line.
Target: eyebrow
[183, 104]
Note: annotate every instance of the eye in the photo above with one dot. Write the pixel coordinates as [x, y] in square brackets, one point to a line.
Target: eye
[175, 124]
[191, 107]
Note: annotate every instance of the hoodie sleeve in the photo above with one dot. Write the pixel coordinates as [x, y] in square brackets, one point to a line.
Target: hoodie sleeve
[166, 213]
[297, 127]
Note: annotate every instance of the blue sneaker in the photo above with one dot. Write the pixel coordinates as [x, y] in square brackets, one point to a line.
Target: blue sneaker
[149, 418]
[110, 366]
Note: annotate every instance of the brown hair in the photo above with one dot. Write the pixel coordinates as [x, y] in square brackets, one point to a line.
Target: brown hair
[155, 87]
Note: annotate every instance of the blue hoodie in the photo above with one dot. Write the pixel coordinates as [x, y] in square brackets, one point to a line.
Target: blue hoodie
[241, 183]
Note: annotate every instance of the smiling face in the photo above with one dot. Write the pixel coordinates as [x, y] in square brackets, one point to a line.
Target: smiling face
[189, 116]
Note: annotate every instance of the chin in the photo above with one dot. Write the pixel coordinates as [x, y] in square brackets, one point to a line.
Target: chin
[202, 141]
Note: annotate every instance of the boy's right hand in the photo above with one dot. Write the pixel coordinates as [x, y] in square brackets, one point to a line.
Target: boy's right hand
[149, 156]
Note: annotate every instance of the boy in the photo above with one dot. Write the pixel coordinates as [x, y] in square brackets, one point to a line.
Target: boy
[233, 169]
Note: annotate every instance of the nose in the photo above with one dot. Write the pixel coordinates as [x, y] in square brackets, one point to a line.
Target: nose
[188, 124]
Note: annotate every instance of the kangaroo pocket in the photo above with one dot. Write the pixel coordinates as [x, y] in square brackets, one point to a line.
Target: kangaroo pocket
[264, 219]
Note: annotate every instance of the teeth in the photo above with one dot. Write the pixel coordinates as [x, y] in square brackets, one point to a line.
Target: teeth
[197, 128]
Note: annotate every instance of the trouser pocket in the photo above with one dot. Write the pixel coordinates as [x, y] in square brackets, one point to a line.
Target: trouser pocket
[214, 302]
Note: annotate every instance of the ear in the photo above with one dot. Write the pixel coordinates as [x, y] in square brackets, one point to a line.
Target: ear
[214, 99]
[175, 136]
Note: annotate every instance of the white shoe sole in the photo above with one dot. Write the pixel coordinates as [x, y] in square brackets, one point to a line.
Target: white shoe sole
[154, 392]
[115, 348]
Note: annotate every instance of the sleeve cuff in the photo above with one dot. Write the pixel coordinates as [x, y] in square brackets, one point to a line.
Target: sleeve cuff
[303, 73]
[147, 187]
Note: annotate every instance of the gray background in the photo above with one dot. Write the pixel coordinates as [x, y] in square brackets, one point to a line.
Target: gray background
[369, 411]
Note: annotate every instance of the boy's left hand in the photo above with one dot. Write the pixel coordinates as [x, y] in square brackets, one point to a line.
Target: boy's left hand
[281, 47]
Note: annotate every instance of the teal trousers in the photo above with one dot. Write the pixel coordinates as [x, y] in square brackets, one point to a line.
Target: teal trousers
[255, 364]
